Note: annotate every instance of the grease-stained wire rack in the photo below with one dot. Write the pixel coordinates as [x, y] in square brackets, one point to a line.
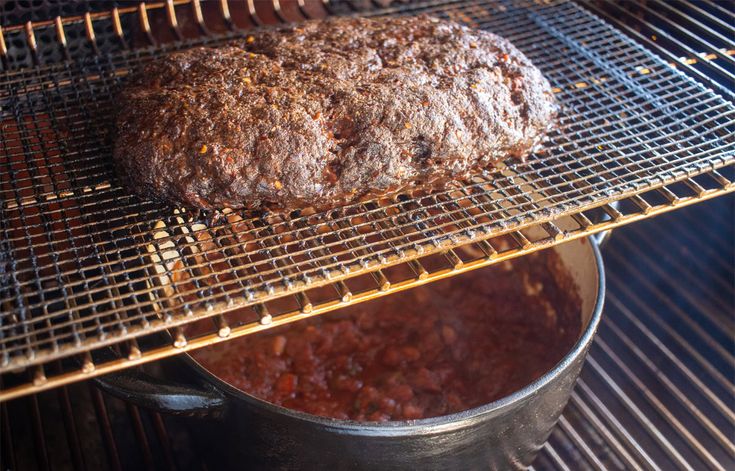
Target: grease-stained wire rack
[103, 280]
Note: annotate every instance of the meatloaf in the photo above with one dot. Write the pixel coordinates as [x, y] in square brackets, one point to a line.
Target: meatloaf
[327, 113]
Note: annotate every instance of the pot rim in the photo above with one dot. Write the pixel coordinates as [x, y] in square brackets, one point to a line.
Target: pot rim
[443, 422]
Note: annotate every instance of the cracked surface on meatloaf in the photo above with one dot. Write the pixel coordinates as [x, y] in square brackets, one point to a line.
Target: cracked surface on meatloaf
[329, 112]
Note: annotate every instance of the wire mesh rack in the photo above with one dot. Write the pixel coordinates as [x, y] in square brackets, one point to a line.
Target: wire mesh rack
[99, 279]
[695, 37]
[656, 379]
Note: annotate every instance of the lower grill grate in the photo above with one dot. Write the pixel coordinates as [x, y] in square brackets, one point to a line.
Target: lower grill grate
[656, 392]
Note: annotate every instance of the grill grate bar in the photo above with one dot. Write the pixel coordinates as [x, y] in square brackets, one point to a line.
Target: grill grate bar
[719, 243]
[140, 435]
[714, 308]
[708, 31]
[662, 348]
[622, 432]
[103, 420]
[581, 445]
[7, 455]
[710, 16]
[40, 440]
[691, 40]
[643, 420]
[70, 428]
[720, 10]
[591, 419]
[659, 407]
[707, 424]
[706, 335]
[163, 439]
[709, 245]
[556, 459]
[702, 361]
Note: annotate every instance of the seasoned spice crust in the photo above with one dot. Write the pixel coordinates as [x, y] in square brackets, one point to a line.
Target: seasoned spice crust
[326, 113]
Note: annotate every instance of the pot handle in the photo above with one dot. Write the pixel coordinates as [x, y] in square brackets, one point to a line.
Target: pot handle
[168, 396]
[601, 238]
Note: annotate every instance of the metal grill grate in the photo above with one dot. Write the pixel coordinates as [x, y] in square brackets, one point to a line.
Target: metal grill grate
[658, 376]
[87, 265]
[657, 389]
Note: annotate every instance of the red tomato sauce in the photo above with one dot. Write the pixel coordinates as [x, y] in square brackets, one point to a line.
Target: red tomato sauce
[430, 351]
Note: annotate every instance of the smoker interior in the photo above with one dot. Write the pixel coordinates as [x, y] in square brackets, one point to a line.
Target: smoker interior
[90, 265]
[656, 391]
[653, 393]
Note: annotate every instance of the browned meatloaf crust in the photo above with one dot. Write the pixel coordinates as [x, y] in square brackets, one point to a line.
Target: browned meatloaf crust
[328, 112]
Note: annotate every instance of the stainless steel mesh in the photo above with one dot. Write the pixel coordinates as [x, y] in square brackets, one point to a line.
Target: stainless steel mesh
[86, 264]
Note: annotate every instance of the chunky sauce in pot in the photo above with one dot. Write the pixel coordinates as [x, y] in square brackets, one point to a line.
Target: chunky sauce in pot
[434, 350]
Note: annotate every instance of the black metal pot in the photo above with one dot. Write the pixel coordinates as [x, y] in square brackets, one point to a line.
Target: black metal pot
[240, 431]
